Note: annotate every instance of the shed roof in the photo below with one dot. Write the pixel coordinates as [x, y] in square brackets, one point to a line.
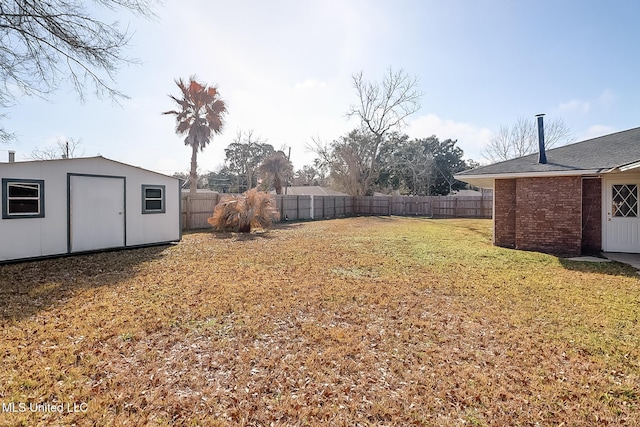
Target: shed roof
[83, 159]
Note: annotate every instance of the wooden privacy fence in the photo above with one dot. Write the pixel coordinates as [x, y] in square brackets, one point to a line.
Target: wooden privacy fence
[292, 208]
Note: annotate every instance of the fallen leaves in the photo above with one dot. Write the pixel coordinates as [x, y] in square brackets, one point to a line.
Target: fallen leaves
[361, 321]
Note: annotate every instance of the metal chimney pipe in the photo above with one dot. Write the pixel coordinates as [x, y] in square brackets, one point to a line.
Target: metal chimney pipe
[542, 155]
[12, 156]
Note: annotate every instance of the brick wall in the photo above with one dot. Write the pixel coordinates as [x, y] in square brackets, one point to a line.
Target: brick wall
[549, 215]
[557, 215]
[591, 215]
[504, 213]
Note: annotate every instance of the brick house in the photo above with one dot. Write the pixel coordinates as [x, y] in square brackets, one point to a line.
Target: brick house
[583, 199]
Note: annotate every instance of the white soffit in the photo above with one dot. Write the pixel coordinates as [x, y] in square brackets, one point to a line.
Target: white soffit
[481, 179]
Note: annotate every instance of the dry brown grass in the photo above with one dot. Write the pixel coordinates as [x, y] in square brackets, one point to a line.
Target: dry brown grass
[361, 321]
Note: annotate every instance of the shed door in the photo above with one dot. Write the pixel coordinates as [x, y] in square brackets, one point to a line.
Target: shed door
[96, 212]
[622, 216]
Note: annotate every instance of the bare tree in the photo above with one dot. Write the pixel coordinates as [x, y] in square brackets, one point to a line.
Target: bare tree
[245, 153]
[64, 149]
[4, 135]
[382, 107]
[202, 179]
[46, 43]
[349, 161]
[521, 139]
[408, 167]
[309, 175]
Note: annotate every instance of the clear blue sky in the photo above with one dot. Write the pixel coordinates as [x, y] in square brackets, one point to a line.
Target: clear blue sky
[284, 69]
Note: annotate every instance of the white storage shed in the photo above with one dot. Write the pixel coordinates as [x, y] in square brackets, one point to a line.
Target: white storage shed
[67, 206]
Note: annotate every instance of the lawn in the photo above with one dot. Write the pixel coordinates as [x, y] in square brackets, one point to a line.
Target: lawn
[358, 321]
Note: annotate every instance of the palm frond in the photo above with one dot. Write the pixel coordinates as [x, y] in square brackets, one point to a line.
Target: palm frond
[242, 213]
[201, 112]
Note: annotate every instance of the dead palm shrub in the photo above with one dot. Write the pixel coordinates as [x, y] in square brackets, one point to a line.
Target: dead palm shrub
[243, 213]
[276, 169]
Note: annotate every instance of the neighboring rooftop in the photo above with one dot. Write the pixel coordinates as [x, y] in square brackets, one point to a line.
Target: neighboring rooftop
[466, 193]
[311, 190]
[186, 189]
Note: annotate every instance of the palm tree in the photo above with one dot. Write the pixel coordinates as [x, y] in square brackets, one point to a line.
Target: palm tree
[276, 169]
[200, 114]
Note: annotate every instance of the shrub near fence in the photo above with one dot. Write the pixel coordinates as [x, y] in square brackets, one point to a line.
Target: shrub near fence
[293, 208]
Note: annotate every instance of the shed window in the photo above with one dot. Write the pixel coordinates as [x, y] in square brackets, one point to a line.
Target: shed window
[625, 200]
[153, 199]
[22, 198]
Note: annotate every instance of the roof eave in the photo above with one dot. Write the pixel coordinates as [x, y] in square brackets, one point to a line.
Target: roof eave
[629, 166]
[486, 180]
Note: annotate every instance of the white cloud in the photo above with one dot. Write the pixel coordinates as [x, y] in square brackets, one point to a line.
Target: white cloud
[595, 131]
[471, 139]
[574, 105]
[310, 84]
[607, 98]
[603, 101]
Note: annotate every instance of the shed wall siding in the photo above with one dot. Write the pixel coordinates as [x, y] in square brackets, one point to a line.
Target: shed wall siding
[34, 237]
[549, 215]
[504, 213]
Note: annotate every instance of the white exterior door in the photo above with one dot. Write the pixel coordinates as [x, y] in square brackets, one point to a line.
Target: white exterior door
[621, 213]
[96, 212]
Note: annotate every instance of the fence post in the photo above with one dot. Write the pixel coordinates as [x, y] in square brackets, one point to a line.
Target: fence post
[188, 213]
[324, 213]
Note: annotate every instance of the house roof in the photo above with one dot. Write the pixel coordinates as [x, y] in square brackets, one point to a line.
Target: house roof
[592, 156]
